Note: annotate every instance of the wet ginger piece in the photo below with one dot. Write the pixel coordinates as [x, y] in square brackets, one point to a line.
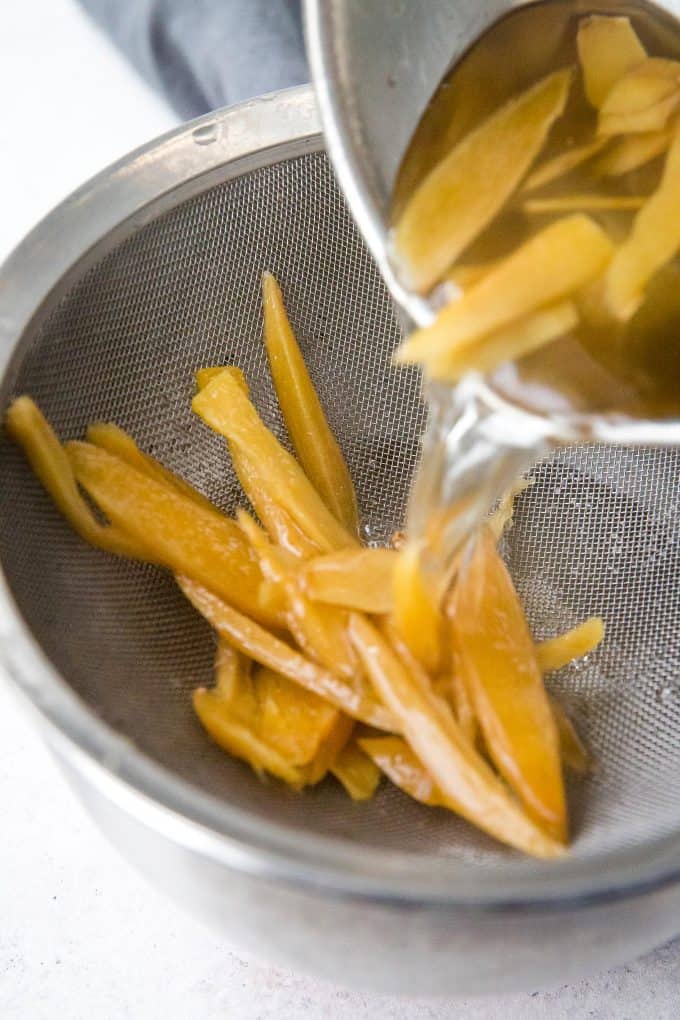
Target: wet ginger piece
[354, 698]
[509, 343]
[293, 720]
[653, 241]
[466, 274]
[416, 616]
[653, 118]
[224, 406]
[562, 164]
[355, 578]
[452, 688]
[310, 434]
[357, 772]
[464, 192]
[180, 534]
[234, 683]
[319, 630]
[608, 47]
[279, 524]
[642, 100]
[499, 666]
[632, 152]
[230, 714]
[394, 758]
[302, 728]
[203, 376]
[583, 202]
[28, 427]
[238, 738]
[554, 653]
[642, 87]
[118, 442]
[330, 749]
[573, 752]
[401, 765]
[554, 263]
[232, 673]
[467, 782]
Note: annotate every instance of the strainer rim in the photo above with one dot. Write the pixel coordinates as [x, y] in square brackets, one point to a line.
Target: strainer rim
[122, 198]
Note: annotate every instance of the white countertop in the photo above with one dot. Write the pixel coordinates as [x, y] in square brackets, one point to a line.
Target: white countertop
[81, 936]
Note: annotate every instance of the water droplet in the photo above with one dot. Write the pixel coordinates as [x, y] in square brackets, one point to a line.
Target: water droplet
[206, 134]
[666, 695]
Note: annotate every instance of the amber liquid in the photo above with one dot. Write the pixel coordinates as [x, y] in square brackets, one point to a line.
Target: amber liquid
[633, 368]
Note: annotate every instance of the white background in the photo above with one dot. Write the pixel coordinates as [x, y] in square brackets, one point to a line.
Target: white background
[80, 935]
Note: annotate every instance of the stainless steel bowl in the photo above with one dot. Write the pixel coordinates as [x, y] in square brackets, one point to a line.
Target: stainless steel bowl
[376, 65]
[152, 269]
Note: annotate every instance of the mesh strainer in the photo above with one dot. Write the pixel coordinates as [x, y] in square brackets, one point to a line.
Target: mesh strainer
[105, 311]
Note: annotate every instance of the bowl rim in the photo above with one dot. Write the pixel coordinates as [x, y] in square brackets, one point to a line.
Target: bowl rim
[115, 203]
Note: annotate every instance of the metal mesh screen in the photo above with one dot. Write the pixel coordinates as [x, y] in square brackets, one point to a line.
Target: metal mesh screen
[598, 532]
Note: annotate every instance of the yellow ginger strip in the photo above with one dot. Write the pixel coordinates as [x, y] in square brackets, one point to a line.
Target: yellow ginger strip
[464, 192]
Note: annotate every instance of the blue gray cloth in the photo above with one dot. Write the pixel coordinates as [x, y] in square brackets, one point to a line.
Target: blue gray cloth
[202, 54]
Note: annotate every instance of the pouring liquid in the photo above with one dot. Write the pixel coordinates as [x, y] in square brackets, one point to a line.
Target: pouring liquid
[619, 370]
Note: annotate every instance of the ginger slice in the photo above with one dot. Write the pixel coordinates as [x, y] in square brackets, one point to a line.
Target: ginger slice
[238, 738]
[562, 164]
[292, 719]
[608, 47]
[401, 765]
[653, 118]
[306, 422]
[497, 659]
[632, 152]
[251, 474]
[653, 241]
[551, 265]
[642, 87]
[117, 441]
[465, 191]
[584, 203]
[468, 784]
[28, 427]
[224, 406]
[354, 698]
[203, 376]
[357, 772]
[415, 613]
[179, 533]
[506, 344]
[466, 274]
[320, 630]
[356, 578]
[554, 653]
[232, 675]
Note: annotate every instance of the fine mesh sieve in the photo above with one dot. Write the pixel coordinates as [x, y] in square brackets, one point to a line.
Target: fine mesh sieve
[597, 533]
